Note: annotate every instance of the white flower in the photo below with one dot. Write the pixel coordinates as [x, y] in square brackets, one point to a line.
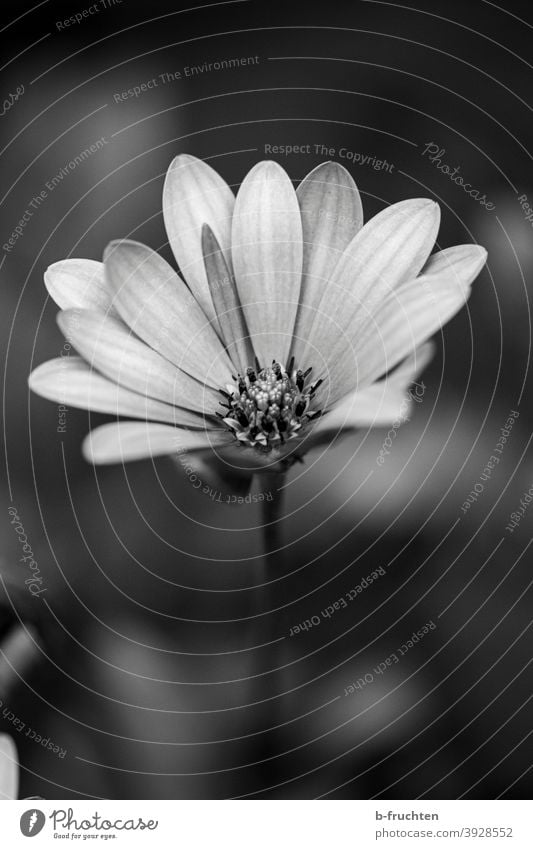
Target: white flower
[296, 322]
[9, 768]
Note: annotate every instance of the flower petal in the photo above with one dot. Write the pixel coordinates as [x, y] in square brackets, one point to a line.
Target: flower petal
[79, 283]
[110, 347]
[267, 258]
[407, 372]
[400, 330]
[460, 264]
[70, 381]
[156, 304]
[193, 195]
[9, 768]
[381, 403]
[124, 441]
[390, 249]
[410, 314]
[230, 315]
[418, 309]
[332, 215]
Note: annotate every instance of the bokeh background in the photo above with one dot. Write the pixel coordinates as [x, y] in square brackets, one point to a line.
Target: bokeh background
[153, 658]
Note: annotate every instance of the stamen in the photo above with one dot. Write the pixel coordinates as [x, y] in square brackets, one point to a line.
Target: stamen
[269, 406]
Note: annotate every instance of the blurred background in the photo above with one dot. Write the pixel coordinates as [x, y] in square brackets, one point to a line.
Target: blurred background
[151, 659]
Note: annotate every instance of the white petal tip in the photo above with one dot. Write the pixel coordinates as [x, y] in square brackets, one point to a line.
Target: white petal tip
[33, 381]
[267, 169]
[45, 380]
[86, 450]
[54, 268]
[183, 159]
[416, 205]
[95, 454]
[36, 380]
[116, 246]
[427, 206]
[329, 169]
[478, 258]
[427, 213]
[66, 266]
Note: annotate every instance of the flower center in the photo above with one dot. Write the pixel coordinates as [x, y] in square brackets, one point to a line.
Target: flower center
[269, 406]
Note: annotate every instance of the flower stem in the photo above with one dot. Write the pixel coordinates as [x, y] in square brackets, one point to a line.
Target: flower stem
[271, 685]
[273, 485]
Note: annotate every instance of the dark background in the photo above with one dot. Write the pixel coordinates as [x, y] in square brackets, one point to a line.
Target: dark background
[151, 659]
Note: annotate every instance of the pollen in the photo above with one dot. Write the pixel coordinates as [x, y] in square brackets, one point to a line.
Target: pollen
[266, 407]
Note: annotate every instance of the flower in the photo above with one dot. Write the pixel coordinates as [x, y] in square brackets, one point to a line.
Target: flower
[296, 322]
[9, 768]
